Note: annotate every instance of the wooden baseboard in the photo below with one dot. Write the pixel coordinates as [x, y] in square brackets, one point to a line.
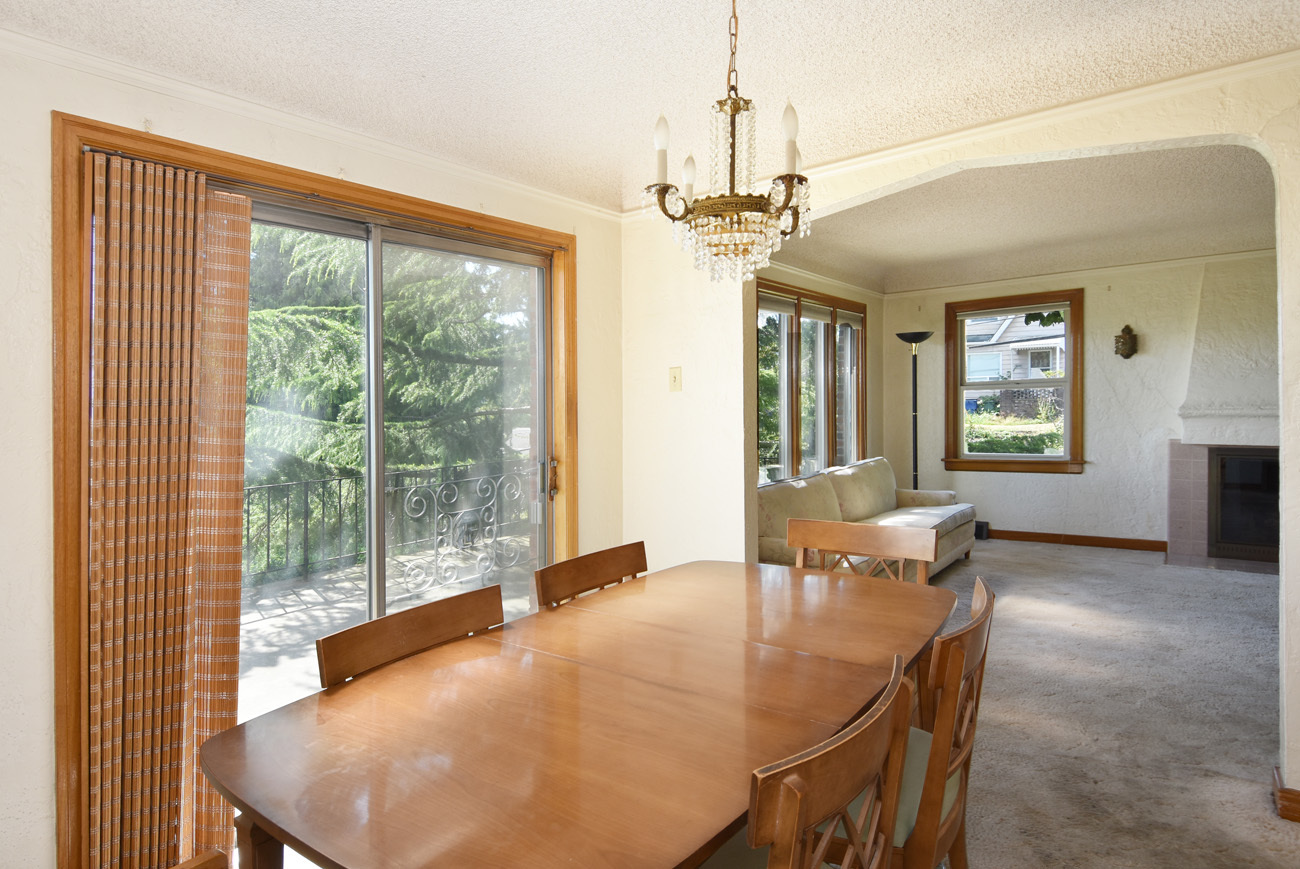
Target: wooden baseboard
[1080, 540]
[1287, 800]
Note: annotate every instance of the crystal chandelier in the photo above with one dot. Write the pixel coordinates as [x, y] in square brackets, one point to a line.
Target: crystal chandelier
[735, 232]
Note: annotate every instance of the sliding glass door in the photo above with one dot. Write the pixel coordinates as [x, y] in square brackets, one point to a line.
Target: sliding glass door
[464, 423]
[397, 435]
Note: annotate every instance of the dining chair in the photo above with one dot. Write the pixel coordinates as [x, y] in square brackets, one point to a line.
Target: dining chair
[363, 647]
[932, 808]
[563, 581]
[206, 860]
[835, 802]
[878, 549]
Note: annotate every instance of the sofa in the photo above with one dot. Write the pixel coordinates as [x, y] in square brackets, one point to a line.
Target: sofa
[864, 491]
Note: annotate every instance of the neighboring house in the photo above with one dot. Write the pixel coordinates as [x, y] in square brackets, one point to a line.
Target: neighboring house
[1006, 348]
[677, 469]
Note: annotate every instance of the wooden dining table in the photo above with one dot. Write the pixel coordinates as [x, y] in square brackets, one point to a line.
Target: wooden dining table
[618, 730]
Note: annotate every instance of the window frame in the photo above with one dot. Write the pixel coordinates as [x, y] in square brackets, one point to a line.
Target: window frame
[955, 459]
[791, 423]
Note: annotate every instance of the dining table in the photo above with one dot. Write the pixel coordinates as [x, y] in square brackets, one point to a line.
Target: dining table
[618, 730]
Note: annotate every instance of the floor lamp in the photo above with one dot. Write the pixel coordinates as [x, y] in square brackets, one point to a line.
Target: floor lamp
[913, 338]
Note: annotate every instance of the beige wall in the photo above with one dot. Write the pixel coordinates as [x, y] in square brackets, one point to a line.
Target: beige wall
[684, 453]
[1130, 405]
[36, 80]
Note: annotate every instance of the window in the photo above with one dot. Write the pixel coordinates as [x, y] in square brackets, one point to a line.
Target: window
[1015, 387]
[983, 366]
[810, 407]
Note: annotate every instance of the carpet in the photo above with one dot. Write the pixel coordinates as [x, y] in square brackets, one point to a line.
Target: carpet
[1129, 715]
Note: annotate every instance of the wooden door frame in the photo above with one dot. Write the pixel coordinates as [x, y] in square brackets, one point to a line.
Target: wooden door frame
[71, 135]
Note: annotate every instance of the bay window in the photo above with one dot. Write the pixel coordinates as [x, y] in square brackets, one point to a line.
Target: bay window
[810, 387]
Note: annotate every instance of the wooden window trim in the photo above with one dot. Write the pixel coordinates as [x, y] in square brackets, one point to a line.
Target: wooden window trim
[954, 350]
[794, 364]
[70, 277]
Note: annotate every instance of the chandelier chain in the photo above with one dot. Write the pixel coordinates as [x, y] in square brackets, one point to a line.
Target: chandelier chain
[733, 27]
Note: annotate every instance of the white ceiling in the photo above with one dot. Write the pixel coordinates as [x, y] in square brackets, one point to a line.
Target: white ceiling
[1047, 217]
[563, 95]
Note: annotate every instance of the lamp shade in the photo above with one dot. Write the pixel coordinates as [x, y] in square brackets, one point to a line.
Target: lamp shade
[913, 337]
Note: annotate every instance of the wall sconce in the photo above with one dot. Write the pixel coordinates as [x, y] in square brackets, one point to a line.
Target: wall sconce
[1126, 343]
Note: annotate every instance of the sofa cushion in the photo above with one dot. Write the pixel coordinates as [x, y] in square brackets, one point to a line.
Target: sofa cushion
[942, 519]
[863, 489]
[803, 498]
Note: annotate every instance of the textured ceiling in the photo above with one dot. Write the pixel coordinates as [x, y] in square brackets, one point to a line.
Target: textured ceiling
[1043, 218]
[563, 95]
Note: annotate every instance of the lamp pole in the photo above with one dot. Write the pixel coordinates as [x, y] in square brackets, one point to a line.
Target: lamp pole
[914, 338]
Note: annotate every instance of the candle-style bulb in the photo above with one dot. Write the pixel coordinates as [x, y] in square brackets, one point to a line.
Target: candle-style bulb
[791, 122]
[661, 134]
[661, 151]
[688, 178]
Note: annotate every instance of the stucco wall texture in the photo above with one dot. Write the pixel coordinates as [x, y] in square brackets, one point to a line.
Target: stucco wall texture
[1131, 406]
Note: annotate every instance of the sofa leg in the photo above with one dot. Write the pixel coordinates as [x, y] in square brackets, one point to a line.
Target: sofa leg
[968, 555]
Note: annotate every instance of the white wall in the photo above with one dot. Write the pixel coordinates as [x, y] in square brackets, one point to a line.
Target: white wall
[37, 79]
[1130, 405]
[684, 453]
[1232, 386]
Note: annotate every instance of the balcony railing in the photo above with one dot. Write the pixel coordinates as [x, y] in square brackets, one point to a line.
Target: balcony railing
[443, 524]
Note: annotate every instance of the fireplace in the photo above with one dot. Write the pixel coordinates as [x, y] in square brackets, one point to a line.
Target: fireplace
[1243, 503]
[1223, 506]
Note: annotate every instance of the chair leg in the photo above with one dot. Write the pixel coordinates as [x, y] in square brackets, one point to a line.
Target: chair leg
[957, 853]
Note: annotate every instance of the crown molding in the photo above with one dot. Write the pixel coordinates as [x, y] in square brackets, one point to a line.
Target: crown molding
[1077, 276]
[79, 61]
[801, 277]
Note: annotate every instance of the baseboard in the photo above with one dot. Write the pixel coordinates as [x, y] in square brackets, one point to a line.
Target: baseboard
[1287, 800]
[1080, 540]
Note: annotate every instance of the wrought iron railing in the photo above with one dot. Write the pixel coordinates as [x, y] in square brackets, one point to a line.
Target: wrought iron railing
[443, 524]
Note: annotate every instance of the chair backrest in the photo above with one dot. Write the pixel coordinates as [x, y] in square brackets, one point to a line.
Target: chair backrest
[950, 699]
[802, 807]
[565, 580]
[885, 548]
[206, 860]
[363, 647]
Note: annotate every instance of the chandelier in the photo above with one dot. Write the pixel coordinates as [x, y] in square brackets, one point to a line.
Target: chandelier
[735, 231]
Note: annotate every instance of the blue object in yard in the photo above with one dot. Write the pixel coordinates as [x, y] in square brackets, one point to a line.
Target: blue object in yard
[972, 404]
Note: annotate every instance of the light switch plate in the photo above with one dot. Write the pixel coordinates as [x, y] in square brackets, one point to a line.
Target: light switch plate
[675, 379]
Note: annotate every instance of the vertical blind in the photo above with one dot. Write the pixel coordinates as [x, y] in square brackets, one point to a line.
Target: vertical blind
[169, 297]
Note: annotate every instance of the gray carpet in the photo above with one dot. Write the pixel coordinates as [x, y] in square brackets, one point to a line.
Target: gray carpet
[1130, 712]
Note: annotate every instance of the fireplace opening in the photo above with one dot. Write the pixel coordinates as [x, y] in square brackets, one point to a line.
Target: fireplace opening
[1243, 502]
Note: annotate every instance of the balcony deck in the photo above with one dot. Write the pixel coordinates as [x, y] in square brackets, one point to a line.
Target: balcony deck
[282, 619]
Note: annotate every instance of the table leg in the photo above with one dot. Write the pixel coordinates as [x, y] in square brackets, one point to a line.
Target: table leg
[258, 849]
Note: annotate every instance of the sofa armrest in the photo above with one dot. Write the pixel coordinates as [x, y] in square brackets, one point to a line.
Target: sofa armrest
[925, 497]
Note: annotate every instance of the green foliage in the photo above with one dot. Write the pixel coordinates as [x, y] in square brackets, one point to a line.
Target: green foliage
[978, 441]
[989, 404]
[457, 351]
[769, 388]
[292, 267]
[280, 446]
[1045, 318]
[307, 361]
